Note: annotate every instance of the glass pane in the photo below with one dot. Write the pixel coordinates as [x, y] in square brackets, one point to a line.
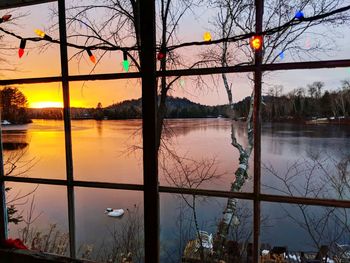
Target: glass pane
[318, 40]
[109, 236]
[205, 142]
[38, 216]
[108, 24]
[202, 23]
[37, 55]
[185, 219]
[301, 231]
[305, 136]
[107, 131]
[33, 131]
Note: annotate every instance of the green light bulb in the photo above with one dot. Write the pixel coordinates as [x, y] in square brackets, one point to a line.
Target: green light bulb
[126, 65]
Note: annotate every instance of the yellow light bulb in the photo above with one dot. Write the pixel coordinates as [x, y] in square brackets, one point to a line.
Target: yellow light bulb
[39, 32]
[207, 36]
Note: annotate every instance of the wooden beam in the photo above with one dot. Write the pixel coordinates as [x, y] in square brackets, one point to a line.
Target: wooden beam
[4, 4]
[28, 256]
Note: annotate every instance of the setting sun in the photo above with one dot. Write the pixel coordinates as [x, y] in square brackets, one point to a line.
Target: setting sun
[46, 104]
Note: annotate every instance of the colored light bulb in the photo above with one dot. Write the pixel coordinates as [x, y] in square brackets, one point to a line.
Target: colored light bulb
[20, 52]
[91, 56]
[207, 36]
[256, 42]
[160, 55]
[281, 55]
[39, 32]
[182, 83]
[42, 34]
[5, 18]
[22, 46]
[299, 15]
[126, 63]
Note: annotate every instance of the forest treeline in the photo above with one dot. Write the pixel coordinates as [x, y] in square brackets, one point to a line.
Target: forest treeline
[305, 103]
[312, 101]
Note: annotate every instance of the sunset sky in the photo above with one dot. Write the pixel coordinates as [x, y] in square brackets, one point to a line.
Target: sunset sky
[43, 63]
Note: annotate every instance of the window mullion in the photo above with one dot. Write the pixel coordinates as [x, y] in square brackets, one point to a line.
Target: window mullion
[67, 125]
[3, 209]
[149, 128]
[259, 6]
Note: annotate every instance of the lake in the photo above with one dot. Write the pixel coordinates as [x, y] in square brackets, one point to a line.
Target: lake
[110, 151]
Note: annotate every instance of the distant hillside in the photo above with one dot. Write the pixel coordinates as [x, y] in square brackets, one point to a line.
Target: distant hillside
[176, 108]
[57, 113]
[132, 109]
[294, 106]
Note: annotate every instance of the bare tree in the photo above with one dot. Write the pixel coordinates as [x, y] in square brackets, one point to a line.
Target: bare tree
[235, 17]
[323, 225]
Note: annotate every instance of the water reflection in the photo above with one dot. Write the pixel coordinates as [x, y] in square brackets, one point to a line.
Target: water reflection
[13, 140]
[99, 154]
[99, 127]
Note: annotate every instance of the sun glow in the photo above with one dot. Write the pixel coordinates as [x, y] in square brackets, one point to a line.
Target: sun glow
[46, 104]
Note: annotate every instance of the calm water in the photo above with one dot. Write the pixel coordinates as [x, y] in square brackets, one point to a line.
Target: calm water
[109, 151]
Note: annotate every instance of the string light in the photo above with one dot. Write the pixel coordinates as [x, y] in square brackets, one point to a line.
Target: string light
[42, 34]
[161, 55]
[256, 43]
[207, 36]
[182, 83]
[299, 15]
[5, 18]
[22, 46]
[126, 63]
[91, 56]
[281, 55]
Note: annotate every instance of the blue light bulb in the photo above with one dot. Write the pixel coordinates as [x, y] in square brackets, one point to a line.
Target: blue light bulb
[299, 15]
[281, 55]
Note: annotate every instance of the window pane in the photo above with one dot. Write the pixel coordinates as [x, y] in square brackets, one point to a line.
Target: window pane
[182, 217]
[37, 55]
[33, 131]
[38, 216]
[204, 22]
[107, 131]
[302, 229]
[324, 39]
[204, 141]
[107, 24]
[305, 136]
[106, 236]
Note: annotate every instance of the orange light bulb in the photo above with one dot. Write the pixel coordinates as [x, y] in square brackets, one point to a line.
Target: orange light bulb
[91, 56]
[93, 59]
[256, 42]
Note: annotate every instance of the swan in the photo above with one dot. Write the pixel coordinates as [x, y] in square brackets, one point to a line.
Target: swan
[114, 212]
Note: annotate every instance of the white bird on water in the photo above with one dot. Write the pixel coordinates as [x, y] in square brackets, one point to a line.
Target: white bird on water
[114, 212]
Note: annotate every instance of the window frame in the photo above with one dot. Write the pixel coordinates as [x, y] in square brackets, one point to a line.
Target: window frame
[150, 186]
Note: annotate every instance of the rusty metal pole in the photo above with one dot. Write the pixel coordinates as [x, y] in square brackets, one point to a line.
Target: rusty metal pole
[149, 129]
[259, 7]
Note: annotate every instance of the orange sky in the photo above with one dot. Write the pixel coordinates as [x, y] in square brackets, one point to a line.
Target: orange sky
[46, 62]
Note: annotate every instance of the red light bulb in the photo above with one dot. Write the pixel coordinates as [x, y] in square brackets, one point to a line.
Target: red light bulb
[20, 52]
[160, 56]
[22, 46]
[5, 18]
